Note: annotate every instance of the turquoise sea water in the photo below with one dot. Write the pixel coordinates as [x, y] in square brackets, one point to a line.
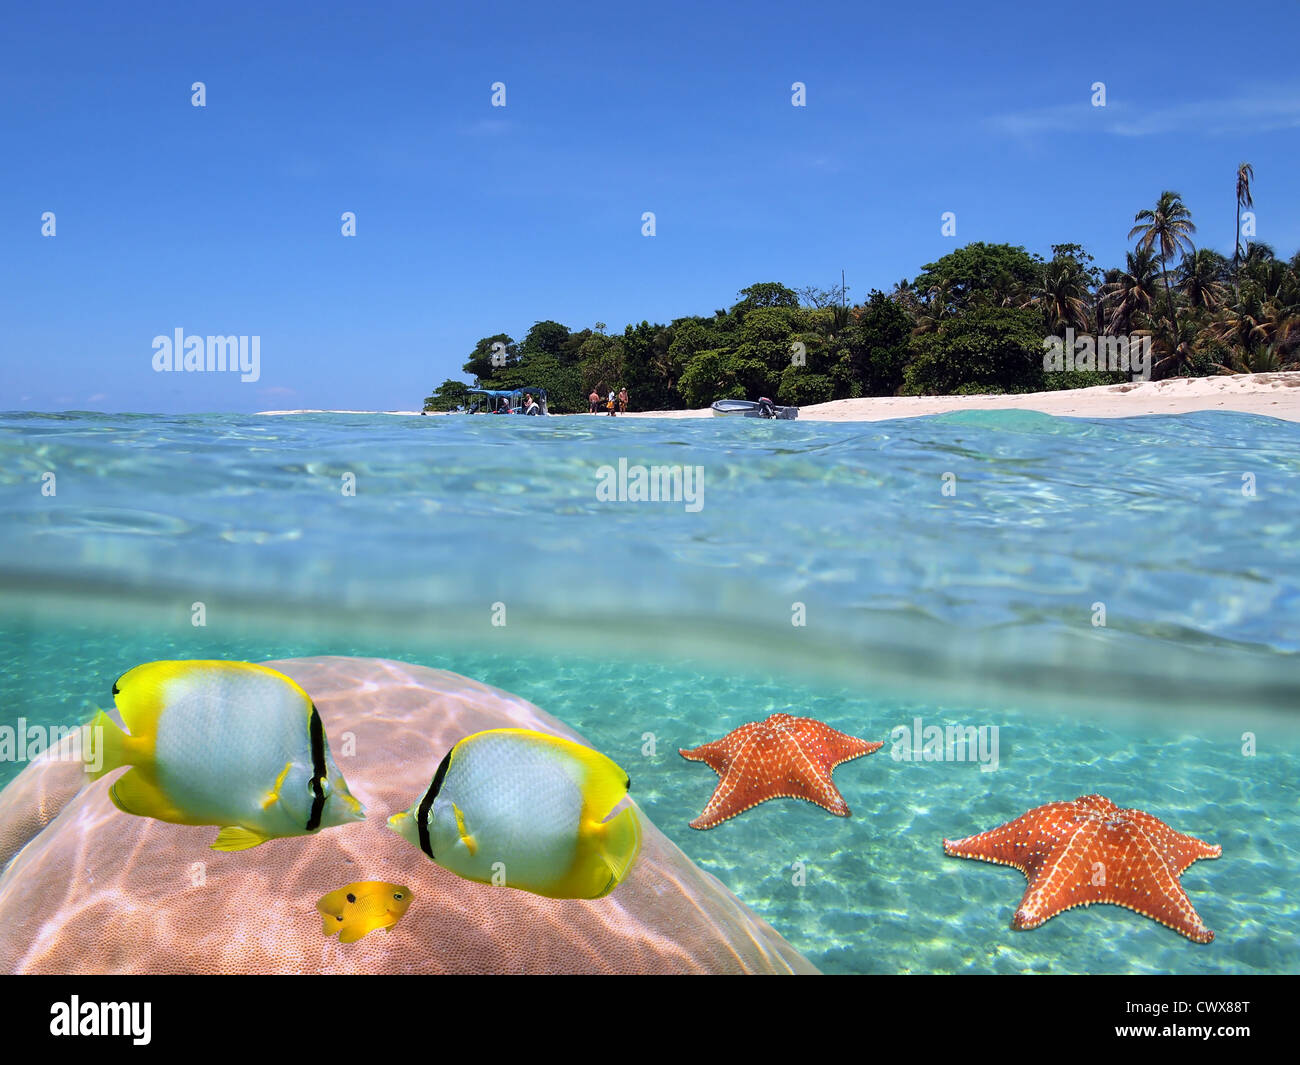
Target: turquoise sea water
[950, 569]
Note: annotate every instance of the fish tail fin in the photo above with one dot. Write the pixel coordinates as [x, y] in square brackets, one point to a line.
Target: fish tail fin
[113, 744]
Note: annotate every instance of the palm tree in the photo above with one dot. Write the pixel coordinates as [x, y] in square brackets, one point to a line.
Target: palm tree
[1262, 268]
[1062, 296]
[1198, 279]
[1244, 326]
[1129, 294]
[1168, 226]
[934, 310]
[1174, 350]
[1245, 175]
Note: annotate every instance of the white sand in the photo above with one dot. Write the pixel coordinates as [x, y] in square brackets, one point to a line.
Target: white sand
[1274, 394]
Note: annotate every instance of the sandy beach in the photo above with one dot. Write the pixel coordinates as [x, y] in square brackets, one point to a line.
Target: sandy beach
[1276, 395]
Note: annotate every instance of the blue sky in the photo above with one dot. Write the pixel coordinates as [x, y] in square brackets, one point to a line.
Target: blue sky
[472, 220]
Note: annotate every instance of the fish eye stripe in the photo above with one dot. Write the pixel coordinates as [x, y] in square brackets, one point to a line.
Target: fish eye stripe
[422, 814]
[318, 770]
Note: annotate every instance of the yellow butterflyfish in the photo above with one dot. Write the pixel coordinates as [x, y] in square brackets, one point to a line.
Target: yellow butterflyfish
[223, 743]
[358, 909]
[527, 810]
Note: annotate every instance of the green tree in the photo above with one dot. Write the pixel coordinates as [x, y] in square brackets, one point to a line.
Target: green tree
[980, 275]
[563, 384]
[690, 336]
[1168, 227]
[800, 387]
[878, 345]
[488, 358]
[770, 337]
[649, 371]
[1245, 177]
[1200, 279]
[1061, 295]
[1085, 262]
[717, 374]
[549, 338]
[765, 294]
[988, 349]
[1128, 296]
[447, 396]
[602, 363]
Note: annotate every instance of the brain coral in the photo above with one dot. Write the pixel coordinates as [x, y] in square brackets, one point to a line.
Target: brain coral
[87, 889]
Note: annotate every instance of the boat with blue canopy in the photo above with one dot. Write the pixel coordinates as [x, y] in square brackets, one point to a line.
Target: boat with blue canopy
[505, 401]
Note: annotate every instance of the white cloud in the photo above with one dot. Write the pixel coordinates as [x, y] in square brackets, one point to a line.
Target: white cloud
[1261, 112]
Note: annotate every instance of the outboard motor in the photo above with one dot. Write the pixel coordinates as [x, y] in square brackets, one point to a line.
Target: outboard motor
[766, 408]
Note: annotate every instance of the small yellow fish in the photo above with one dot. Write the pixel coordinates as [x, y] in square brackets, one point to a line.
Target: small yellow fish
[358, 909]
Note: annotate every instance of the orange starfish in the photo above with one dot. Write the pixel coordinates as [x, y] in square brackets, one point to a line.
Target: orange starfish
[1086, 851]
[782, 757]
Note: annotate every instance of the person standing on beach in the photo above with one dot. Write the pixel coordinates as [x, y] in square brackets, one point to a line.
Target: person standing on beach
[622, 400]
[610, 404]
[594, 400]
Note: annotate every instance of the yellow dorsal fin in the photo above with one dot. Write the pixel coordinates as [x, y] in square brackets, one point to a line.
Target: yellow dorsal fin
[237, 838]
[470, 842]
[141, 692]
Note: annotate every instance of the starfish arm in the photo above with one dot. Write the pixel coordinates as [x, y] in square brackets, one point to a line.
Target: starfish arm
[816, 786]
[830, 745]
[1178, 850]
[732, 796]
[714, 755]
[1148, 890]
[1063, 879]
[1023, 843]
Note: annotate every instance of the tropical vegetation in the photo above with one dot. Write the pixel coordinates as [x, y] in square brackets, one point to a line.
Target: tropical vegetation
[973, 321]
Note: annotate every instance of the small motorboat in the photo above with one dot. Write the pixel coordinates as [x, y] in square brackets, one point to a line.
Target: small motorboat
[750, 408]
[505, 401]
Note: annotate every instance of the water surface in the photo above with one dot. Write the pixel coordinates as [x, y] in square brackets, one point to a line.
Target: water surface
[950, 568]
